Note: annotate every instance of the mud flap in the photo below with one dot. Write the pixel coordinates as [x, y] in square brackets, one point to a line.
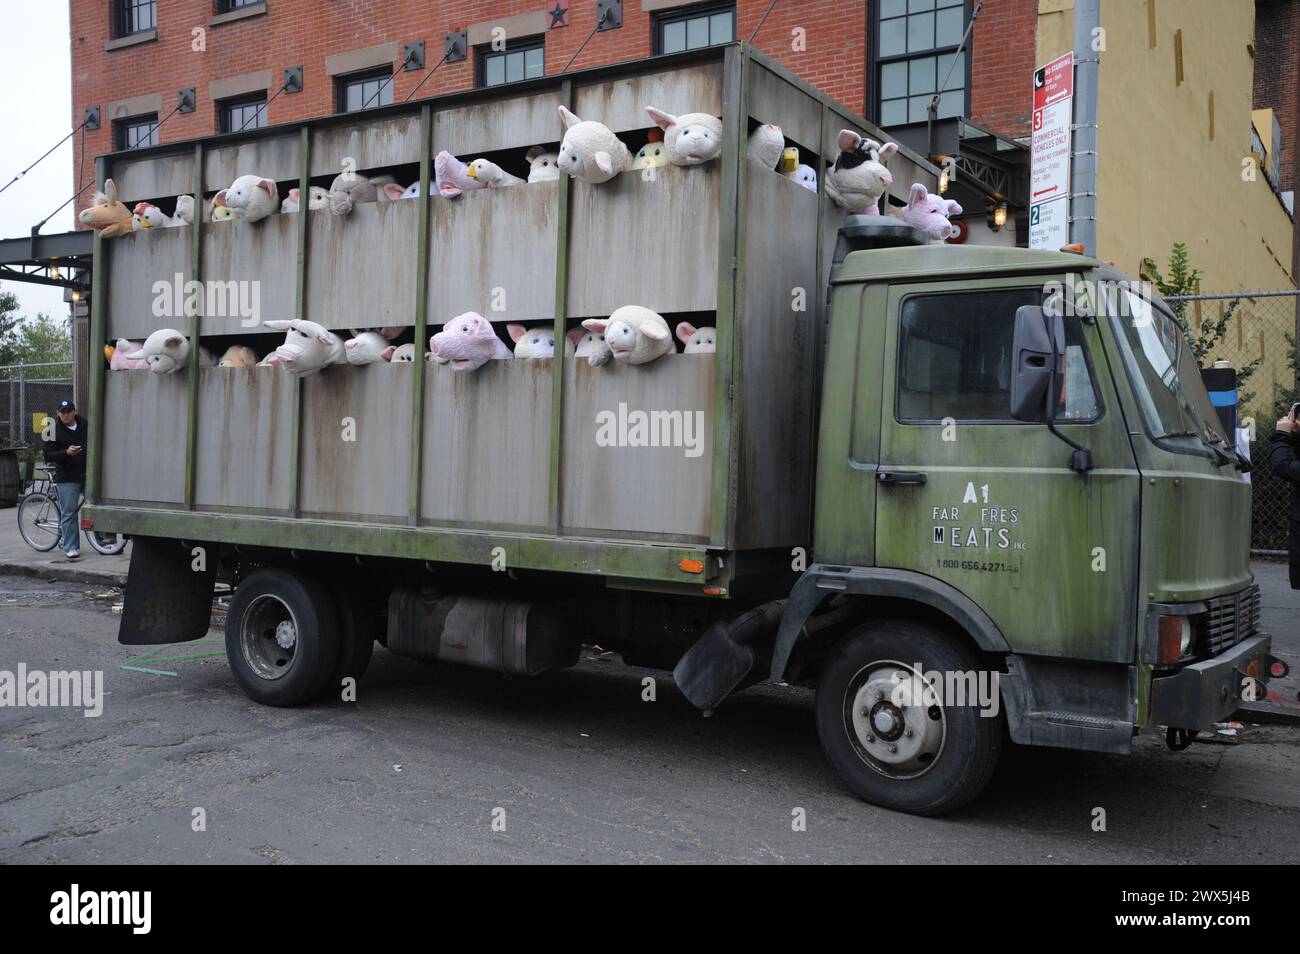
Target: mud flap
[167, 599]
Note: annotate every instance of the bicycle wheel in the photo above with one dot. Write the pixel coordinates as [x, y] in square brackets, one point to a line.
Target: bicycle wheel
[106, 543]
[38, 521]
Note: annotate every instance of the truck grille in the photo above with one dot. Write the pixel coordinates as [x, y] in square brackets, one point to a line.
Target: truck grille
[1231, 619]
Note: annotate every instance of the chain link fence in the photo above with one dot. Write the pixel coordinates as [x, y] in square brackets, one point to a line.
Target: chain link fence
[1258, 339]
[28, 393]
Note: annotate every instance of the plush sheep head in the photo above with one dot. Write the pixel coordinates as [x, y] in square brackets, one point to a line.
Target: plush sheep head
[588, 344]
[452, 176]
[930, 213]
[107, 216]
[402, 354]
[536, 342]
[317, 198]
[369, 347]
[184, 214]
[252, 196]
[490, 174]
[119, 360]
[165, 351]
[238, 356]
[348, 189]
[806, 176]
[691, 138]
[652, 154]
[859, 177]
[543, 166]
[307, 346]
[766, 143]
[468, 342]
[590, 151]
[410, 192]
[635, 335]
[697, 340]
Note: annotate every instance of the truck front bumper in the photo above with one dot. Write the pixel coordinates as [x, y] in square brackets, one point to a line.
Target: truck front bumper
[1200, 694]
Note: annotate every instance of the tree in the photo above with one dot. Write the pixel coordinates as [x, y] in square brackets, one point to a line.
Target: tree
[41, 339]
[9, 320]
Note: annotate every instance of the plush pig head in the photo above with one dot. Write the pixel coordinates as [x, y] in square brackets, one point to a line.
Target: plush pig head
[253, 197]
[590, 345]
[106, 215]
[119, 361]
[697, 340]
[238, 356]
[691, 138]
[368, 347]
[468, 342]
[859, 177]
[537, 342]
[317, 198]
[590, 151]
[307, 346]
[543, 166]
[348, 189]
[635, 335]
[452, 176]
[165, 351]
[766, 143]
[930, 213]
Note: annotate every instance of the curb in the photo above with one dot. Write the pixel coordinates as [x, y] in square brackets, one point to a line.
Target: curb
[67, 574]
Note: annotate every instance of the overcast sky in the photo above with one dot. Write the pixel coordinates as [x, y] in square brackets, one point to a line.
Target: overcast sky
[35, 111]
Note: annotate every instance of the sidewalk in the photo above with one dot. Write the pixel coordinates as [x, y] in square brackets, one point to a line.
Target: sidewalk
[17, 557]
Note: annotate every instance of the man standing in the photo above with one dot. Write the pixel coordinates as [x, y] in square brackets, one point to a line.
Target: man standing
[1282, 459]
[67, 452]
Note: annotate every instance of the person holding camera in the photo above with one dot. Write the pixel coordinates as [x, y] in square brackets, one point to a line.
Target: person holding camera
[66, 450]
[1282, 461]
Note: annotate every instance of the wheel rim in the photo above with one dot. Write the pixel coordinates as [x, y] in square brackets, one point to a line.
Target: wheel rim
[38, 522]
[896, 725]
[268, 637]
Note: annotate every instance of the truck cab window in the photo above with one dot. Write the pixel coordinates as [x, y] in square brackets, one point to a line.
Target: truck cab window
[955, 358]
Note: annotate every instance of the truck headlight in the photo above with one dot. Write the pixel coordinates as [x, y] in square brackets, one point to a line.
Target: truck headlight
[1175, 639]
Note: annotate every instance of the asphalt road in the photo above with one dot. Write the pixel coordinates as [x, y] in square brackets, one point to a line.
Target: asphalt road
[582, 768]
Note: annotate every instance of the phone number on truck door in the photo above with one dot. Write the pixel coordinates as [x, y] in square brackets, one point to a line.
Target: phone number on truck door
[978, 565]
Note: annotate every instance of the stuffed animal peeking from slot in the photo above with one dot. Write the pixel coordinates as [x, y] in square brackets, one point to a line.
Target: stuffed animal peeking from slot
[350, 189]
[403, 354]
[253, 197]
[317, 198]
[468, 342]
[590, 151]
[218, 211]
[166, 351]
[307, 346]
[588, 344]
[369, 347]
[635, 335]
[690, 139]
[697, 340]
[117, 356]
[490, 174]
[238, 356]
[106, 215]
[535, 342]
[931, 213]
[452, 176]
[805, 175]
[146, 216]
[859, 178]
[652, 154]
[766, 143]
[543, 166]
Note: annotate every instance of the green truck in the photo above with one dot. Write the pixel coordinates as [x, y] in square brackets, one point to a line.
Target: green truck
[970, 495]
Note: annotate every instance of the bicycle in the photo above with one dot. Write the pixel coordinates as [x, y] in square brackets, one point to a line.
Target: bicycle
[38, 521]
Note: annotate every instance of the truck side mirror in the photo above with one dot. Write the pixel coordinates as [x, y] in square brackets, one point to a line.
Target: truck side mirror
[1036, 348]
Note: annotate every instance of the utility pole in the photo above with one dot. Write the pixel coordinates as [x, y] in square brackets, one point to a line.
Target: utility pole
[1083, 163]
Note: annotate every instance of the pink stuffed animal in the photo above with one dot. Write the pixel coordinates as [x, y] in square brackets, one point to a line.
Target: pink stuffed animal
[468, 342]
[367, 348]
[930, 213]
[119, 360]
[451, 176]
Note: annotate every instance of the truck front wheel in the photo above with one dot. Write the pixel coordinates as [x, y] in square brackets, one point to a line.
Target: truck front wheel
[888, 727]
[282, 640]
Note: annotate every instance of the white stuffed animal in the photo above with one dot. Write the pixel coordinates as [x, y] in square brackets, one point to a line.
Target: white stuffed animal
[166, 350]
[590, 151]
[254, 197]
[184, 214]
[238, 356]
[859, 177]
[766, 143]
[491, 175]
[543, 166]
[805, 175]
[317, 198]
[218, 211]
[369, 347]
[535, 342]
[691, 138]
[403, 354]
[393, 192]
[697, 340]
[588, 344]
[307, 346]
[635, 335]
[382, 184]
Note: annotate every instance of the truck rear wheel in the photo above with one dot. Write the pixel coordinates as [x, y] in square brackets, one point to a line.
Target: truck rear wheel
[356, 637]
[281, 637]
[894, 742]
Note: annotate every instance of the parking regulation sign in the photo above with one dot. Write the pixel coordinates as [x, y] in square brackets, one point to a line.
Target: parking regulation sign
[1049, 167]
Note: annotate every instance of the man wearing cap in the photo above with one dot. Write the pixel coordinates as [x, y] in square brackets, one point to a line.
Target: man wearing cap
[66, 450]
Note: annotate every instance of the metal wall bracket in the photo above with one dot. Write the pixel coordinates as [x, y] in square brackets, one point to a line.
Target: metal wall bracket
[413, 55]
[456, 47]
[92, 117]
[609, 14]
[293, 79]
[185, 100]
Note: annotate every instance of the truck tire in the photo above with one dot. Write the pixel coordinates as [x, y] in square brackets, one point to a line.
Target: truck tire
[356, 638]
[282, 639]
[893, 743]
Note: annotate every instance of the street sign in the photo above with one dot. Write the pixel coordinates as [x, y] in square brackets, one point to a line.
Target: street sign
[1049, 167]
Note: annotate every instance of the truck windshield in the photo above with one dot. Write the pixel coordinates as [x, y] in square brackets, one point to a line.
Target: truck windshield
[1165, 377]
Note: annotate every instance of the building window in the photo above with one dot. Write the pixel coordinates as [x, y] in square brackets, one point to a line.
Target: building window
[525, 59]
[230, 6]
[246, 112]
[136, 132]
[134, 16]
[695, 27]
[365, 90]
[916, 45]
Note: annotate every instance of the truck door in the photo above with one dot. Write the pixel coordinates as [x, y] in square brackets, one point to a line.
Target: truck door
[988, 504]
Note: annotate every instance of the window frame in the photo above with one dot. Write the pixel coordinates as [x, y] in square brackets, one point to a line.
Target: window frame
[224, 106]
[933, 292]
[483, 52]
[662, 18]
[121, 10]
[345, 80]
[120, 127]
[234, 6]
[878, 62]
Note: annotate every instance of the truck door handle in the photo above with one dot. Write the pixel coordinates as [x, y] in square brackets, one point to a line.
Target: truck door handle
[900, 477]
